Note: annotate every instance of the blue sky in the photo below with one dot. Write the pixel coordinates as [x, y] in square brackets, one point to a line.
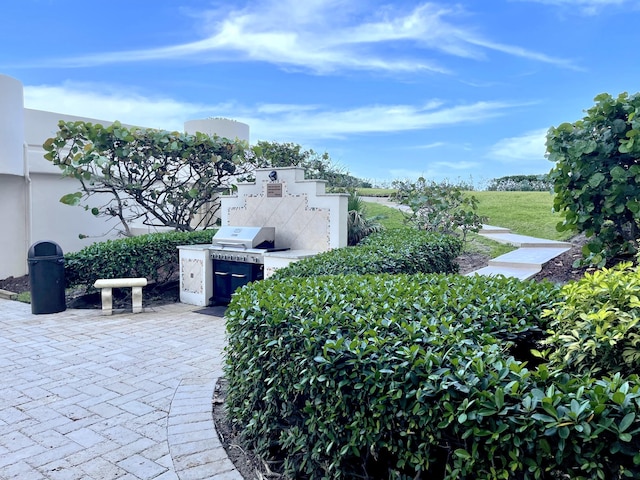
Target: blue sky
[390, 89]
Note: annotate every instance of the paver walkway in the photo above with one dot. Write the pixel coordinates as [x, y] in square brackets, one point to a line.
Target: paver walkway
[85, 396]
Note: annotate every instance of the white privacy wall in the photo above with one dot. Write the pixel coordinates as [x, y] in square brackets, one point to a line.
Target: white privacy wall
[30, 186]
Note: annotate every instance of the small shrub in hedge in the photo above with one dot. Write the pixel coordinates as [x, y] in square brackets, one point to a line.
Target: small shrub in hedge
[596, 325]
[410, 377]
[393, 251]
[153, 256]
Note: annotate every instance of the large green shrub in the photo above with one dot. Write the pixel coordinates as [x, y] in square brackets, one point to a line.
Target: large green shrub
[147, 176]
[409, 377]
[439, 207]
[392, 251]
[597, 176]
[596, 325]
[153, 256]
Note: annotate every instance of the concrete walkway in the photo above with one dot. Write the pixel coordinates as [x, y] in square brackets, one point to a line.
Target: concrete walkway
[524, 262]
[84, 396]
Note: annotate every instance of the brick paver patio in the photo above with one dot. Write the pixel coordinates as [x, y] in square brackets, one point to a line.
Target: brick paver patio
[87, 396]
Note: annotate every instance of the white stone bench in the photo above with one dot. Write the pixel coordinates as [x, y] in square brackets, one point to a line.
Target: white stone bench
[106, 286]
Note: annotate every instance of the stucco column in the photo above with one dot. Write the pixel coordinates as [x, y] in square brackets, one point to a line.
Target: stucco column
[11, 126]
[14, 186]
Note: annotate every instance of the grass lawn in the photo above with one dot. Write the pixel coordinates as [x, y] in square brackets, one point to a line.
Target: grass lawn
[375, 192]
[389, 217]
[526, 213]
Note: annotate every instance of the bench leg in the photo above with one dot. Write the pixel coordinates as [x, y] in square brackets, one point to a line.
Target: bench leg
[136, 298]
[107, 301]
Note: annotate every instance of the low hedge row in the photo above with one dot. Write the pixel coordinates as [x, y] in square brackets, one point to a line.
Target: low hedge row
[392, 251]
[153, 256]
[411, 377]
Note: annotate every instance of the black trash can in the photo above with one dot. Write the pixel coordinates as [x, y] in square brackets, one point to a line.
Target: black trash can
[46, 278]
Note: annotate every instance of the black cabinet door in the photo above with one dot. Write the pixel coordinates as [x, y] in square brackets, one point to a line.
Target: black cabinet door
[229, 276]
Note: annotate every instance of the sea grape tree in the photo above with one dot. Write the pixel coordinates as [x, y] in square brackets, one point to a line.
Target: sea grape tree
[153, 177]
[439, 207]
[597, 176]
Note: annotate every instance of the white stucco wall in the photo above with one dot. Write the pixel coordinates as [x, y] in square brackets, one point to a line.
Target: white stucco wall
[14, 242]
[222, 127]
[31, 187]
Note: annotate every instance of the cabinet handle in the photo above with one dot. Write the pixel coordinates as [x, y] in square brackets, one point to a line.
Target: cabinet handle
[238, 275]
[222, 274]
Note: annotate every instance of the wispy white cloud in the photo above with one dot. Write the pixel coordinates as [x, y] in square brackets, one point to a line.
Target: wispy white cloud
[105, 102]
[277, 122]
[325, 36]
[456, 165]
[586, 7]
[321, 123]
[528, 147]
[429, 146]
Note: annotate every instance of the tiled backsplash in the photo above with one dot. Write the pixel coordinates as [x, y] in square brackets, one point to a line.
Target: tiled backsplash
[304, 216]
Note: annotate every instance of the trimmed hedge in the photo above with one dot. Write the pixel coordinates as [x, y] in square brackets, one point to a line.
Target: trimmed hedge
[392, 251]
[410, 377]
[153, 256]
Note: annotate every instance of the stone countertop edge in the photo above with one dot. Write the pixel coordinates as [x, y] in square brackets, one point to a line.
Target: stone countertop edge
[292, 254]
[199, 246]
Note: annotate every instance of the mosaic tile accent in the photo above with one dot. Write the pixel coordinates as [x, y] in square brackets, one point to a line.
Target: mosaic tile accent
[297, 225]
[191, 275]
[305, 217]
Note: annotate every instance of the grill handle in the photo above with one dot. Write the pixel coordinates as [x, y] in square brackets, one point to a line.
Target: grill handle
[231, 244]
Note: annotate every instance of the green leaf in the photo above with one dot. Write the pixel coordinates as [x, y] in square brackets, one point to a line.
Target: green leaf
[463, 454]
[626, 422]
[618, 173]
[499, 398]
[618, 126]
[625, 437]
[633, 206]
[72, 199]
[596, 179]
[619, 398]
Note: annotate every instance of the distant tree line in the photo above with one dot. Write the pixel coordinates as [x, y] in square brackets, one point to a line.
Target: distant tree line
[521, 183]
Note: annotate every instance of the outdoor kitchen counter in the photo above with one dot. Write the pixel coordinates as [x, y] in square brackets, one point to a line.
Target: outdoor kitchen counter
[196, 274]
[276, 260]
[197, 269]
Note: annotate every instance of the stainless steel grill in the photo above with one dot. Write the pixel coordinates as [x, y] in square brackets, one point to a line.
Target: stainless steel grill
[244, 237]
[242, 244]
[237, 254]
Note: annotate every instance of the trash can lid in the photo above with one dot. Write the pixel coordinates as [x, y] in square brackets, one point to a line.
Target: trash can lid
[44, 249]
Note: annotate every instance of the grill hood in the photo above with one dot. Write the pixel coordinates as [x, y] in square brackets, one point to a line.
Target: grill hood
[244, 237]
